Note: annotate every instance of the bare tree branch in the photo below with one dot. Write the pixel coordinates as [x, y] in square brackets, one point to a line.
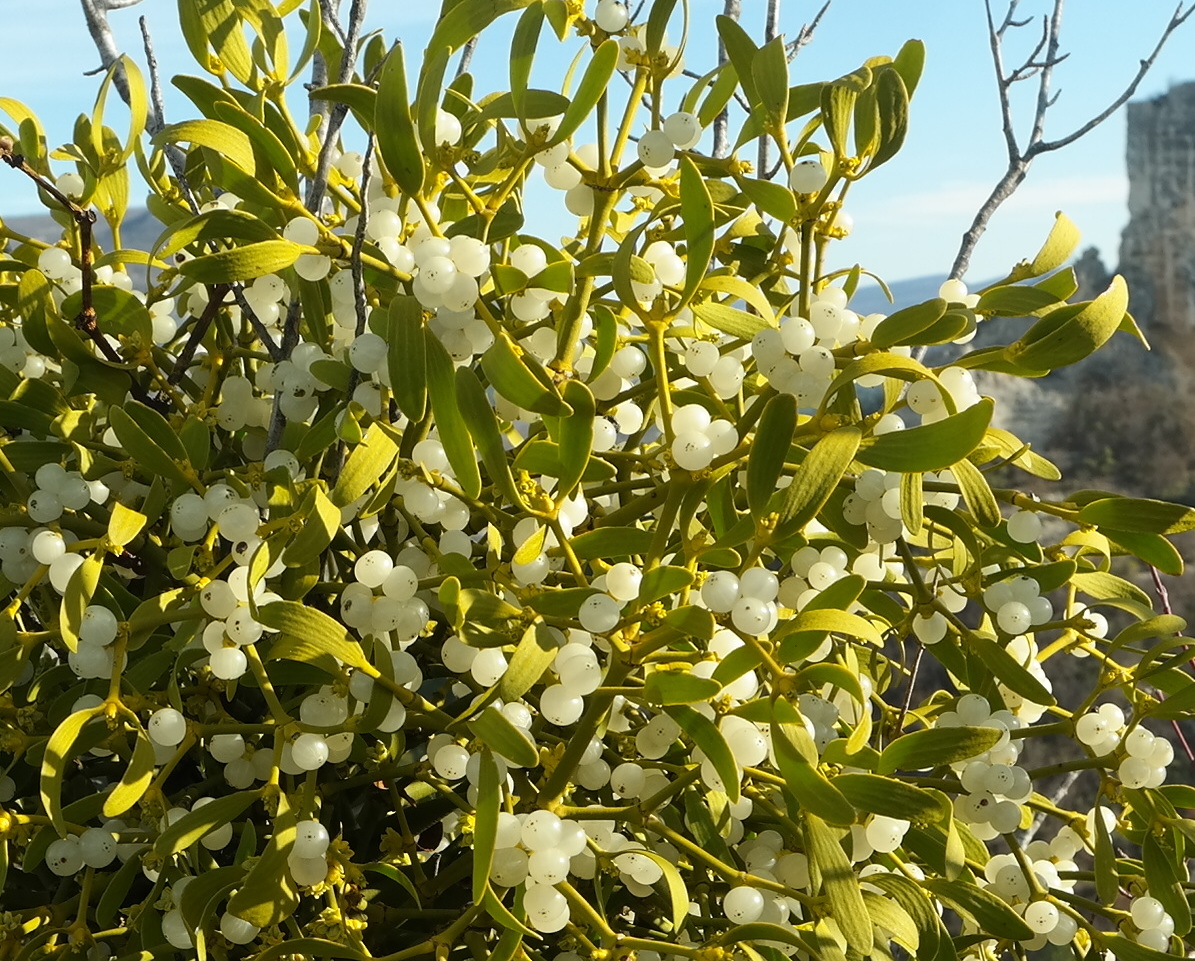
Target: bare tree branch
[319, 183]
[1177, 20]
[771, 29]
[156, 119]
[805, 34]
[1040, 63]
[466, 56]
[95, 12]
[733, 9]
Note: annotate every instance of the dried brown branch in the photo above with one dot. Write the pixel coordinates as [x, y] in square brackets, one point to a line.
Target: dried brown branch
[1040, 64]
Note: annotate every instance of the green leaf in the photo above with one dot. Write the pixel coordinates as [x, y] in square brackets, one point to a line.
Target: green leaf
[765, 463]
[903, 325]
[362, 100]
[407, 357]
[479, 417]
[769, 71]
[503, 915]
[818, 476]
[697, 209]
[521, 379]
[216, 22]
[741, 50]
[522, 55]
[118, 312]
[465, 20]
[929, 447]
[242, 263]
[54, 761]
[837, 878]
[80, 589]
[124, 524]
[137, 776]
[889, 796]
[269, 894]
[1108, 587]
[1059, 246]
[1015, 301]
[977, 494]
[822, 621]
[993, 916]
[226, 140]
[1154, 549]
[607, 543]
[1064, 336]
[815, 794]
[709, 740]
[314, 630]
[504, 738]
[365, 466]
[394, 127]
[321, 525]
[534, 654]
[309, 947]
[729, 320]
[202, 821]
[1138, 514]
[660, 582]
[130, 423]
[909, 63]
[771, 198]
[678, 894]
[1125, 950]
[1008, 671]
[936, 746]
[1164, 882]
[590, 90]
[454, 434]
[576, 438]
[892, 104]
[676, 687]
[838, 105]
[485, 823]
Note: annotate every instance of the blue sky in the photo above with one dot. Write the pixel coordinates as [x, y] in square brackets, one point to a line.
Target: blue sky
[909, 215]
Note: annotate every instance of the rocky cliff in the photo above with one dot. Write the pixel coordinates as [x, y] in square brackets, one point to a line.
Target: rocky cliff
[1125, 418]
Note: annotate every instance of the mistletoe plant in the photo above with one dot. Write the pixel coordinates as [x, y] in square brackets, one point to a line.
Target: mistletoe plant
[386, 578]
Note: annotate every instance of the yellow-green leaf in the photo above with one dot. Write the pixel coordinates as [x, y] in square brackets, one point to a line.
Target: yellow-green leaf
[838, 880]
[818, 476]
[936, 746]
[534, 654]
[57, 754]
[202, 821]
[493, 727]
[931, 446]
[485, 823]
[124, 524]
[242, 263]
[269, 894]
[394, 127]
[315, 629]
[137, 776]
[366, 464]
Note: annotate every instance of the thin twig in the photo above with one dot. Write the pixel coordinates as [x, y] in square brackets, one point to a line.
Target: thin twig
[1040, 63]
[157, 119]
[1164, 600]
[771, 29]
[732, 9]
[319, 183]
[805, 34]
[466, 56]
